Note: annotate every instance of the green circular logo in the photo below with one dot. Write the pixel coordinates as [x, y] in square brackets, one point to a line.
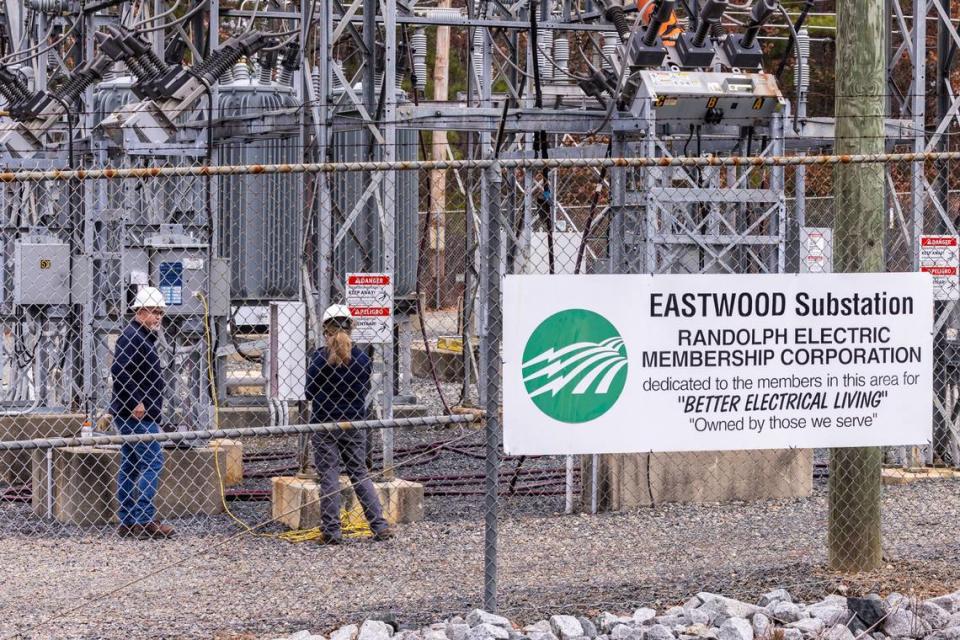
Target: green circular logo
[575, 365]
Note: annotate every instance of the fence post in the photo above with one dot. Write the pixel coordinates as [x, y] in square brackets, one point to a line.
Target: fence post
[855, 484]
[490, 340]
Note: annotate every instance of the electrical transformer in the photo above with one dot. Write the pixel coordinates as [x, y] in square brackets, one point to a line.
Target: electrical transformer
[260, 215]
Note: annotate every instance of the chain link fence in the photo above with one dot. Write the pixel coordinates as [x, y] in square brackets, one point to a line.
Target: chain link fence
[181, 389]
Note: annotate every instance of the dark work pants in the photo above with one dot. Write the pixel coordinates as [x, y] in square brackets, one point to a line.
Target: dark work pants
[330, 448]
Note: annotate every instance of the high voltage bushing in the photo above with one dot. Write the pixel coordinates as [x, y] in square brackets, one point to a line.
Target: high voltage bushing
[37, 104]
[610, 43]
[289, 63]
[649, 51]
[418, 44]
[241, 71]
[150, 60]
[710, 15]
[561, 53]
[213, 67]
[661, 14]
[614, 14]
[49, 6]
[743, 50]
[544, 47]
[13, 86]
[139, 57]
[694, 49]
[478, 54]
[267, 60]
[801, 75]
[336, 86]
[83, 77]
[230, 53]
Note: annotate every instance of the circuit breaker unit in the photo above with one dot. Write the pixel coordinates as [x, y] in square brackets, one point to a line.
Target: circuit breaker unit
[701, 96]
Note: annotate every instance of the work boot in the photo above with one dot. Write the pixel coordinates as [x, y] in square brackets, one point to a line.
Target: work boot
[156, 531]
[384, 534]
[129, 530]
[331, 540]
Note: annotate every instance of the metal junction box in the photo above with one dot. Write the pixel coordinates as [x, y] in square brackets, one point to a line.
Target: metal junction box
[41, 271]
[179, 272]
[684, 97]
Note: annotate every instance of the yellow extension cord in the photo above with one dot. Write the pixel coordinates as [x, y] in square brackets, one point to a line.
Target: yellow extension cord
[353, 524]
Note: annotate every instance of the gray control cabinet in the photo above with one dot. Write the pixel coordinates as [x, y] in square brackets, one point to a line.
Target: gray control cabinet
[179, 272]
[179, 266]
[41, 272]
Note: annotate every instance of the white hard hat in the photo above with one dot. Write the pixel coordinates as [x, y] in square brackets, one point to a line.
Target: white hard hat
[335, 311]
[149, 297]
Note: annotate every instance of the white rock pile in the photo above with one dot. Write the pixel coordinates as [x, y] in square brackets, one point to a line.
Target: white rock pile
[706, 616]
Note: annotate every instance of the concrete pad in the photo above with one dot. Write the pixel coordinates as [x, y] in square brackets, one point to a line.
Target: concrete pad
[296, 501]
[16, 466]
[233, 451]
[84, 485]
[899, 475]
[627, 481]
[402, 500]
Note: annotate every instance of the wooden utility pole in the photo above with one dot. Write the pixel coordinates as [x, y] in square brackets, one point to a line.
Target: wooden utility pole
[862, 25]
[438, 178]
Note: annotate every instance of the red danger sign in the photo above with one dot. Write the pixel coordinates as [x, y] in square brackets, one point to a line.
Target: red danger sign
[356, 280]
[370, 298]
[938, 241]
[940, 271]
[939, 256]
[369, 312]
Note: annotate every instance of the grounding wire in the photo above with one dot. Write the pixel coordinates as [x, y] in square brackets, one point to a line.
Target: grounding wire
[156, 17]
[182, 19]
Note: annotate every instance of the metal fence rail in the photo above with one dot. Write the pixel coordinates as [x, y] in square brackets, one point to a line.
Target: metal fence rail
[209, 434]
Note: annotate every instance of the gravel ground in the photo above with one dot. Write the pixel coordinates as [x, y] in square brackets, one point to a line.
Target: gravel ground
[215, 586]
[212, 582]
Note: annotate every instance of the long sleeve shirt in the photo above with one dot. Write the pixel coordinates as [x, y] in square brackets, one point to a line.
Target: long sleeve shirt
[137, 374]
[338, 393]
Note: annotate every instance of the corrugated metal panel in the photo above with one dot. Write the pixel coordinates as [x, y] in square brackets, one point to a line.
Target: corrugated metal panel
[260, 215]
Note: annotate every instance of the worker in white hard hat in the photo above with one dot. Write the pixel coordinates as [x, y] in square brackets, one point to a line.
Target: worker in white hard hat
[338, 381]
[136, 408]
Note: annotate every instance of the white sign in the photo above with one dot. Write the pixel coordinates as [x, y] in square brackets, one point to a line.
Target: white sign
[816, 250]
[636, 363]
[940, 258]
[370, 298]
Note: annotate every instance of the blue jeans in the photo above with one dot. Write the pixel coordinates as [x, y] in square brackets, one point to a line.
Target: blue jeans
[139, 478]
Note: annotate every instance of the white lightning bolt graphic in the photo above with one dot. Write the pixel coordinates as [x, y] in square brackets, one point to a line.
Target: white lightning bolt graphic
[593, 358]
[558, 365]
